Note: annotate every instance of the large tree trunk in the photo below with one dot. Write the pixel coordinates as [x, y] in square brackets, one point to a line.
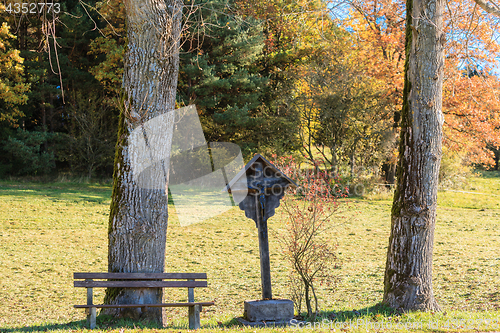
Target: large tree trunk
[138, 216]
[408, 274]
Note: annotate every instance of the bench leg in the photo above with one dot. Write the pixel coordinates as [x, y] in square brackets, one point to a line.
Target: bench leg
[91, 316]
[194, 317]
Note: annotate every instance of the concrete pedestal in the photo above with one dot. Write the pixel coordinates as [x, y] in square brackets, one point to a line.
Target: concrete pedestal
[275, 310]
[281, 323]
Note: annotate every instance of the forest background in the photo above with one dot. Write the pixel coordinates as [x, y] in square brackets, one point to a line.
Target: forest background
[315, 79]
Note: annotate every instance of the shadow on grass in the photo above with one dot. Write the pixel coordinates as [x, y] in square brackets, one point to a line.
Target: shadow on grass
[72, 192]
[102, 322]
[74, 325]
[106, 322]
[374, 311]
[489, 173]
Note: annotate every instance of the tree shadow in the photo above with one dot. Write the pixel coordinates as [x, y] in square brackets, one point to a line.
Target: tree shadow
[103, 322]
[74, 325]
[377, 310]
[107, 322]
[489, 173]
[58, 191]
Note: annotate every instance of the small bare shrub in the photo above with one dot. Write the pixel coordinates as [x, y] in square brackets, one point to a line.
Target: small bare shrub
[306, 248]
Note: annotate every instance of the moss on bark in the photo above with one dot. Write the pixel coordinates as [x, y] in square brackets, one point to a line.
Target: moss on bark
[118, 172]
[404, 140]
[405, 117]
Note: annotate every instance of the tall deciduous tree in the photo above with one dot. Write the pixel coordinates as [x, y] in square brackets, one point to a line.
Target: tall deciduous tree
[408, 274]
[343, 112]
[138, 217]
[292, 30]
[378, 27]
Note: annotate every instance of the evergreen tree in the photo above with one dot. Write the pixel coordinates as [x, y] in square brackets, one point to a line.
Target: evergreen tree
[218, 73]
[57, 64]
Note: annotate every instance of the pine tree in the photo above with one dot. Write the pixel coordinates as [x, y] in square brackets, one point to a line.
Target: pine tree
[219, 74]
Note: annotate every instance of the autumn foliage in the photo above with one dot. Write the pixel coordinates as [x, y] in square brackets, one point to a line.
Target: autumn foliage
[470, 94]
[272, 76]
[13, 88]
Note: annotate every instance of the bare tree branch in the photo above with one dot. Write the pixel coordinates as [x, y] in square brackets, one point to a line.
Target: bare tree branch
[490, 8]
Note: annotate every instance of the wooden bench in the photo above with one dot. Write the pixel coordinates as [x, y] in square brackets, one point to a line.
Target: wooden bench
[143, 280]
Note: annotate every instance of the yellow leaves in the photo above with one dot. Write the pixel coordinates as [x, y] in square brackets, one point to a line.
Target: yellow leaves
[290, 25]
[4, 35]
[12, 86]
[110, 71]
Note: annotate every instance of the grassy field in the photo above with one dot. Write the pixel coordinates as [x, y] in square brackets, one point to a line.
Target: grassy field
[49, 231]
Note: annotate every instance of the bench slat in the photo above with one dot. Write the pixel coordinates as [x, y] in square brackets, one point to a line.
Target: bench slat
[140, 284]
[140, 276]
[171, 305]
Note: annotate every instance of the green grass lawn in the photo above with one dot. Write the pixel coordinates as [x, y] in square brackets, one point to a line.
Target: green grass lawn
[49, 231]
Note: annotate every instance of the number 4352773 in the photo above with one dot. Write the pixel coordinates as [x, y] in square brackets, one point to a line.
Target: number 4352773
[33, 8]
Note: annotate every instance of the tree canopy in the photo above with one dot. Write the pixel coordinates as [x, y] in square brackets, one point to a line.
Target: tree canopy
[252, 68]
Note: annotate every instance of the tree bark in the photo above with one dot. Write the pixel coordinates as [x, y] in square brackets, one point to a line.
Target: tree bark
[138, 216]
[492, 8]
[408, 274]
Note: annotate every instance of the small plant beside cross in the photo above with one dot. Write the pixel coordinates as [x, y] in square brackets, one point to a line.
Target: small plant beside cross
[308, 214]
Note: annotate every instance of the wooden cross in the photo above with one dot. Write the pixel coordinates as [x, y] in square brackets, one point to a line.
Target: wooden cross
[264, 185]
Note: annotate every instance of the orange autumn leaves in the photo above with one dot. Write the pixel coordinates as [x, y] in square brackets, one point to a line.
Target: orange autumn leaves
[470, 102]
[471, 90]
[472, 112]
[378, 33]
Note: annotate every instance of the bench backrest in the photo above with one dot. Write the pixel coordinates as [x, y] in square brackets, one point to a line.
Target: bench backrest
[140, 280]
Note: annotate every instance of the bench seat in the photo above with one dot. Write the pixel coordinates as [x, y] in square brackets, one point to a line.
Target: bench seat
[142, 280]
[161, 305]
